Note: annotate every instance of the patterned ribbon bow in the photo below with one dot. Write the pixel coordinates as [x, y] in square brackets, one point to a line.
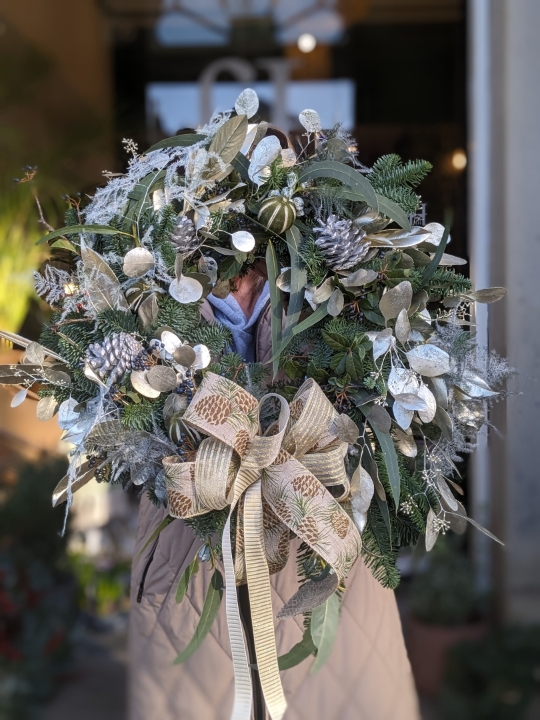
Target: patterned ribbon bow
[277, 481]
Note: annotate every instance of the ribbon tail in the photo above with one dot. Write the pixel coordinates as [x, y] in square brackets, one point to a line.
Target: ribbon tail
[243, 695]
[260, 600]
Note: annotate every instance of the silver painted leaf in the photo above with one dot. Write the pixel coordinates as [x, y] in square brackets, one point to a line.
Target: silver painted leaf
[202, 357]
[346, 429]
[309, 595]
[402, 380]
[102, 285]
[170, 340]
[35, 353]
[162, 378]
[19, 398]
[429, 360]
[436, 232]
[283, 280]
[263, 155]
[439, 390]
[336, 302]
[398, 238]
[402, 416]
[288, 157]
[382, 342]
[184, 355]
[138, 262]
[362, 490]
[395, 300]
[310, 120]
[359, 278]
[488, 295]
[449, 260]
[60, 492]
[405, 443]
[67, 415]
[227, 141]
[431, 532]
[446, 493]
[243, 240]
[474, 386]
[57, 377]
[443, 421]
[186, 290]
[411, 401]
[458, 519]
[427, 396]
[403, 327]
[46, 408]
[141, 384]
[173, 404]
[247, 103]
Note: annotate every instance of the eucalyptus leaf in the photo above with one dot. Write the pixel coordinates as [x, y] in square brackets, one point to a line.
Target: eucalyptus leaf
[443, 421]
[298, 652]
[206, 620]
[403, 326]
[489, 295]
[393, 211]
[323, 291]
[19, 398]
[390, 459]
[78, 229]
[102, 285]
[141, 384]
[336, 302]
[186, 290]
[167, 520]
[346, 429]
[362, 490]
[161, 378]
[431, 531]
[324, 625]
[395, 300]
[345, 174]
[247, 103]
[243, 241]
[177, 141]
[138, 262]
[310, 120]
[148, 311]
[405, 443]
[276, 298]
[60, 492]
[359, 278]
[379, 418]
[35, 353]
[184, 355]
[57, 377]
[263, 155]
[46, 408]
[229, 138]
[298, 280]
[191, 570]
[429, 360]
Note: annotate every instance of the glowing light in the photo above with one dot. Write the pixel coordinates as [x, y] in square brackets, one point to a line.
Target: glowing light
[459, 160]
[69, 288]
[307, 42]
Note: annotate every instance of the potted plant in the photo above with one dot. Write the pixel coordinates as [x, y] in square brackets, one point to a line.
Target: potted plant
[445, 610]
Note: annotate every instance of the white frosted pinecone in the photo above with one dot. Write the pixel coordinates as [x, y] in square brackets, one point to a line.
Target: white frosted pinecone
[183, 236]
[340, 241]
[117, 354]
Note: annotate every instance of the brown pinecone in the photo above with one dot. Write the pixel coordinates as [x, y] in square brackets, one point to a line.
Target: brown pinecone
[179, 505]
[308, 529]
[244, 401]
[215, 409]
[281, 458]
[296, 408]
[340, 523]
[270, 519]
[282, 511]
[241, 442]
[307, 485]
[283, 544]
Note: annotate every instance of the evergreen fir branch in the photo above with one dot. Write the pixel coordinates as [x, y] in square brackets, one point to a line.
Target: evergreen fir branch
[391, 178]
[139, 416]
[442, 284]
[205, 526]
[314, 260]
[215, 336]
[115, 321]
[182, 318]
[378, 553]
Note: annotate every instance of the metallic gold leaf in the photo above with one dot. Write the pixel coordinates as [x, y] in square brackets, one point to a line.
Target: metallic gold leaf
[184, 355]
[323, 291]
[405, 442]
[448, 260]
[141, 384]
[427, 396]
[346, 429]
[229, 139]
[396, 299]
[402, 416]
[429, 360]
[488, 295]
[57, 377]
[439, 390]
[148, 311]
[221, 289]
[138, 262]
[283, 281]
[362, 489]
[162, 378]
[359, 278]
[436, 232]
[67, 415]
[446, 493]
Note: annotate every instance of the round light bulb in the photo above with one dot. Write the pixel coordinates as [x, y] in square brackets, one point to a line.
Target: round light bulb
[307, 42]
[459, 160]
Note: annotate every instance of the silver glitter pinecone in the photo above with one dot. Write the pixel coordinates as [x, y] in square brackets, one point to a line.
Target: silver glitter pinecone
[340, 241]
[117, 354]
[183, 235]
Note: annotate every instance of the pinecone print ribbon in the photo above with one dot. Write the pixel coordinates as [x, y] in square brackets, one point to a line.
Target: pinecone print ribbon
[280, 480]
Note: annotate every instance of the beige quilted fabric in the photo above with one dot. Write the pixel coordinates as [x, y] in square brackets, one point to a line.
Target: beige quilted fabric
[367, 677]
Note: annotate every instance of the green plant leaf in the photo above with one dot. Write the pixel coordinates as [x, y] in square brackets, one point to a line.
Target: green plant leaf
[162, 525]
[298, 652]
[75, 229]
[335, 341]
[229, 138]
[393, 211]
[177, 141]
[139, 196]
[276, 300]
[241, 164]
[298, 280]
[383, 507]
[315, 316]
[345, 174]
[324, 625]
[188, 573]
[390, 458]
[65, 245]
[208, 615]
